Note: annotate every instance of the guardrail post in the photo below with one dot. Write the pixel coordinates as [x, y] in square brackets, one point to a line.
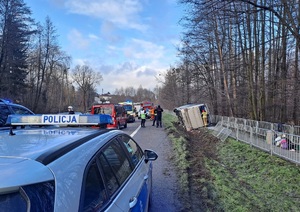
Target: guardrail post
[251, 136]
[237, 132]
[256, 126]
[270, 139]
[227, 122]
[272, 126]
[291, 129]
[236, 128]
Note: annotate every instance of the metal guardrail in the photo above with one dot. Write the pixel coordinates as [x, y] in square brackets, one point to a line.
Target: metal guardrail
[221, 132]
[261, 135]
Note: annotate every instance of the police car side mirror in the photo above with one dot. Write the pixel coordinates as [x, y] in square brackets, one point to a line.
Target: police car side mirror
[150, 155]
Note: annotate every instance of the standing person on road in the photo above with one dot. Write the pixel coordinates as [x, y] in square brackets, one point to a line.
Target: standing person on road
[71, 110]
[154, 116]
[143, 117]
[158, 112]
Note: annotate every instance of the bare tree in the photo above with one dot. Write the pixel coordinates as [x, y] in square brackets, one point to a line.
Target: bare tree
[135, 95]
[170, 92]
[47, 71]
[87, 79]
[249, 51]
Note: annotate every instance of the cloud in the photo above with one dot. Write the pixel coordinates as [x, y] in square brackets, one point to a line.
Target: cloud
[145, 72]
[140, 62]
[108, 32]
[122, 13]
[126, 67]
[127, 74]
[77, 40]
[141, 49]
[128, 41]
[93, 36]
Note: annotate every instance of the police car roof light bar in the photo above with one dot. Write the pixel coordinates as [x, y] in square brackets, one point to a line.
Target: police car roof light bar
[59, 119]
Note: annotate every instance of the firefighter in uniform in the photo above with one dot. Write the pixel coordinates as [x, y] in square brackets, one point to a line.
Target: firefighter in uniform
[204, 117]
[154, 111]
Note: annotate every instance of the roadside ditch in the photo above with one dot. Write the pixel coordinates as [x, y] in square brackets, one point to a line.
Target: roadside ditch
[230, 175]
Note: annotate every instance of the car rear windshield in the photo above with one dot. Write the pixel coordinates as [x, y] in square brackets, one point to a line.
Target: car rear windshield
[103, 110]
[34, 198]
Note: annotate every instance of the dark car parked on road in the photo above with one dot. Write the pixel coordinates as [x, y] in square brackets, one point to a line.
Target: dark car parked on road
[8, 108]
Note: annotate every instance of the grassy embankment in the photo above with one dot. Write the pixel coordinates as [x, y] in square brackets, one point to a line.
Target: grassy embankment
[179, 147]
[242, 178]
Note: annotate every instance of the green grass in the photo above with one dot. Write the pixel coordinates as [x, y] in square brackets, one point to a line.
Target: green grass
[248, 179]
[243, 178]
[179, 147]
[168, 119]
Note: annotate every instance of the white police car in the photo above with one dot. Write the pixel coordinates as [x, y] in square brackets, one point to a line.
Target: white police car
[51, 168]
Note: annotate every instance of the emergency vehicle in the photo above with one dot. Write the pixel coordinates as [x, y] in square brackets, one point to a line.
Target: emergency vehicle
[137, 107]
[147, 105]
[129, 107]
[116, 111]
[49, 167]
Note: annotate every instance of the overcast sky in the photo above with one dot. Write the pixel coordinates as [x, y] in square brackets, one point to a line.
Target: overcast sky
[130, 42]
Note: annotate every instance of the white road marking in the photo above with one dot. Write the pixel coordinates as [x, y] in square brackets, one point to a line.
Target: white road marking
[134, 132]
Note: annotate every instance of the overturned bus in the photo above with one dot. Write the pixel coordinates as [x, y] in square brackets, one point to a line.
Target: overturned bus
[191, 116]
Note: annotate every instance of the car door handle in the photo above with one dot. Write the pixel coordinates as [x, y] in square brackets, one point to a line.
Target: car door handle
[146, 177]
[132, 202]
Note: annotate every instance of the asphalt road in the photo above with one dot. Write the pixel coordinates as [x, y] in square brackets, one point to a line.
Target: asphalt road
[165, 186]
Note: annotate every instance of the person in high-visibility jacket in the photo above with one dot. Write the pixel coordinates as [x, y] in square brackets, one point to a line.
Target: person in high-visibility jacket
[154, 115]
[204, 117]
[143, 117]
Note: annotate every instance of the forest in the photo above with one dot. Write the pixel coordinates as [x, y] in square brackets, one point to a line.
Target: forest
[239, 57]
